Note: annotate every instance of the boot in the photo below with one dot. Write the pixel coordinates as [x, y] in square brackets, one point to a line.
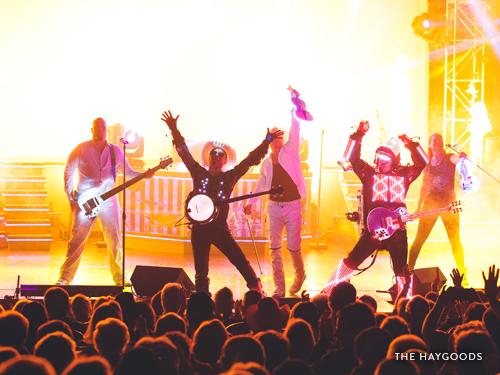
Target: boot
[278, 273]
[300, 274]
[405, 285]
[343, 273]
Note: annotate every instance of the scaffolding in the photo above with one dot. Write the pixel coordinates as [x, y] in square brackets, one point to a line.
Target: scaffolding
[464, 68]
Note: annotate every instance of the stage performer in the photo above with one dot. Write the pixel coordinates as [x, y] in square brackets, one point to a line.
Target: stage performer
[438, 190]
[283, 168]
[95, 162]
[384, 185]
[218, 185]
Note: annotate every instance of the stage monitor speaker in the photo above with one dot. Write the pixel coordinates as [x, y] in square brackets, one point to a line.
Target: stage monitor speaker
[147, 280]
[423, 279]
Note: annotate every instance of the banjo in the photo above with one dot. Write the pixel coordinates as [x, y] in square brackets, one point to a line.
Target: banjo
[202, 209]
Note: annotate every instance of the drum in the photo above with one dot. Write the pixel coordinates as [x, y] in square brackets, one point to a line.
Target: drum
[200, 209]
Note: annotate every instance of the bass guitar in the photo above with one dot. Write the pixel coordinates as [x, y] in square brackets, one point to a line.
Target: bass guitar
[202, 209]
[91, 200]
[382, 222]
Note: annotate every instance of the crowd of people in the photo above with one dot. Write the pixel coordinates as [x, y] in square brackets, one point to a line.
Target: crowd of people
[453, 331]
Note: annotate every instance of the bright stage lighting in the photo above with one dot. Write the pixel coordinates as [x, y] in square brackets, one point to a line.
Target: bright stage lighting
[132, 138]
[424, 27]
[134, 143]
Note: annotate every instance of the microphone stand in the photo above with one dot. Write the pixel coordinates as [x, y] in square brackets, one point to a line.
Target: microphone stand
[317, 244]
[124, 214]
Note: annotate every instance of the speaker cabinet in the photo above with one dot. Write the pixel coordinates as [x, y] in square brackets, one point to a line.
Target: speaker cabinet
[147, 280]
[424, 277]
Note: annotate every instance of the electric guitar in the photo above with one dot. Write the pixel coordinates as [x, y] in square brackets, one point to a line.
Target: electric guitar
[90, 200]
[382, 222]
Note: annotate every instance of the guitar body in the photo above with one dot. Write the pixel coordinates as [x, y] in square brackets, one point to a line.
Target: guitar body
[200, 209]
[382, 222]
[90, 202]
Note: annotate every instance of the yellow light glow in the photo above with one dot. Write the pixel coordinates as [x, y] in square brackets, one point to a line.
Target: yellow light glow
[223, 65]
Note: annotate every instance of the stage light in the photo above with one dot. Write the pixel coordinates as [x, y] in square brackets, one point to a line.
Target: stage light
[135, 143]
[132, 138]
[425, 27]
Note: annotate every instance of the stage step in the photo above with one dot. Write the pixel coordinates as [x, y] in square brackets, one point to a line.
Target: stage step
[26, 212]
[19, 183]
[33, 227]
[22, 169]
[29, 242]
[25, 197]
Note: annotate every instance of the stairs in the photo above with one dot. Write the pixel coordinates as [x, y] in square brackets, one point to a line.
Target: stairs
[25, 209]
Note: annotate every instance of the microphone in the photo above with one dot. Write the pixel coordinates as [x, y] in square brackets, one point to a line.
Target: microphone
[124, 141]
[363, 127]
[405, 139]
[408, 141]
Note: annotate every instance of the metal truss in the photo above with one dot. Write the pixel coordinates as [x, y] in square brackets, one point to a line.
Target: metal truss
[464, 67]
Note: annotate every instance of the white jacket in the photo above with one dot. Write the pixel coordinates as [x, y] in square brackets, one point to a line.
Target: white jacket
[288, 158]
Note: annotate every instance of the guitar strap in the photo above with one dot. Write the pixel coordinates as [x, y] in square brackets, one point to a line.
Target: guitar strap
[113, 161]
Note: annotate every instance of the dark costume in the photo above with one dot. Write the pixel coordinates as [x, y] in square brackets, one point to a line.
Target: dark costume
[438, 190]
[218, 187]
[380, 190]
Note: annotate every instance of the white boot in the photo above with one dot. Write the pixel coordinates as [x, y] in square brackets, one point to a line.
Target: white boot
[300, 274]
[405, 285]
[343, 273]
[278, 273]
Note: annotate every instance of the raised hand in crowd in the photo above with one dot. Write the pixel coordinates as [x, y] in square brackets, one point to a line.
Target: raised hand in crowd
[456, 277]
[491, 288]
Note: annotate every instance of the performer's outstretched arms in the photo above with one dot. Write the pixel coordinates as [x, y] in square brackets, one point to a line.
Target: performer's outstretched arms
[179, 142]
[359, 166]
[255, 156]
[418, 156]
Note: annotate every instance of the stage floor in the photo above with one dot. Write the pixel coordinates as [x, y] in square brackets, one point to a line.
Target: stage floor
[41, 267]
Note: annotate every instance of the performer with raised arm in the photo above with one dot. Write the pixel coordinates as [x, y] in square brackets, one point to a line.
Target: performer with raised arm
[384, 185]
[216, 185]
[96, 162]
[438, 189]
[283, 168]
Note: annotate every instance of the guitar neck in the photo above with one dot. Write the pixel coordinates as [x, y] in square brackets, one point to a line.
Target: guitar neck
[418, 215]
[128, 183]
[246, 196]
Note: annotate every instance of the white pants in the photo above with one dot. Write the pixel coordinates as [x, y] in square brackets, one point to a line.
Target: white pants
[285, 215]
[80, 230]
